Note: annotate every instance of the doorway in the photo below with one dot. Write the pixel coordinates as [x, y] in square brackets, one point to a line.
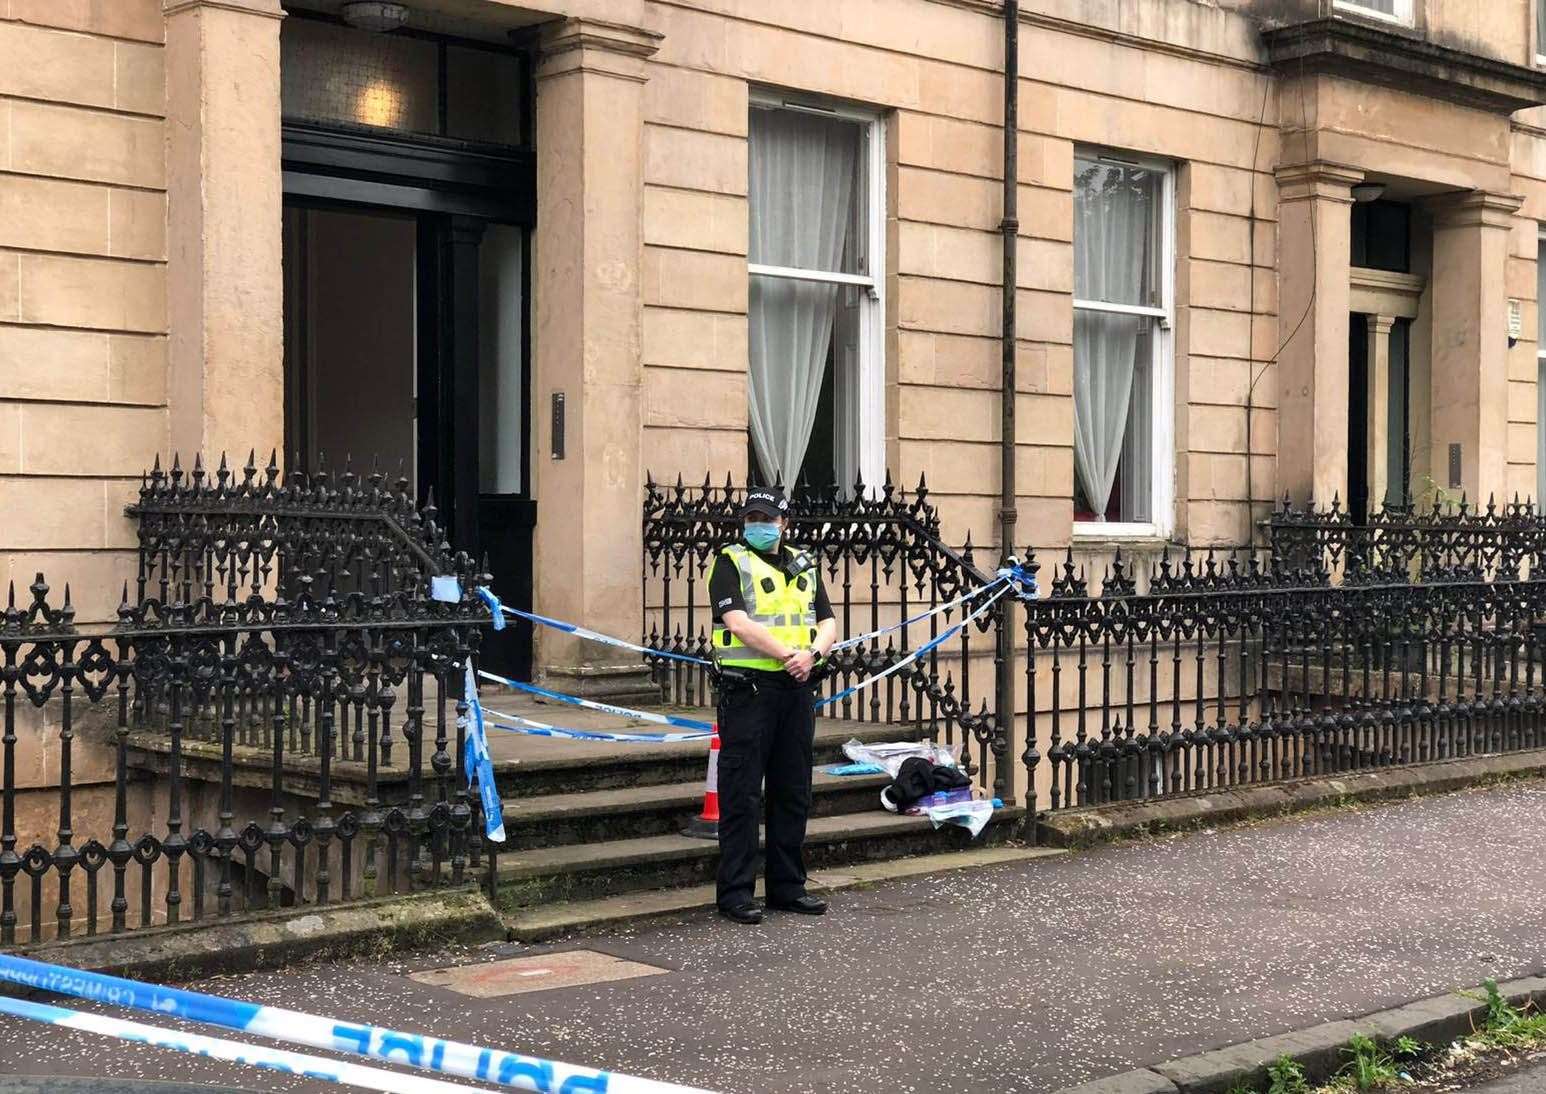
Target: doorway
[1398, 448]
[350, 339]
[407, 281]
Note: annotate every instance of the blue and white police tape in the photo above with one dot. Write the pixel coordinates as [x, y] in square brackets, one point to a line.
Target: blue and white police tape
[943, 637]
[849, 643]
[477, 762]
[590, 704]
[1023, 580]
[217, 1048]
[497, 608]
[296, 1027]
[514, 723]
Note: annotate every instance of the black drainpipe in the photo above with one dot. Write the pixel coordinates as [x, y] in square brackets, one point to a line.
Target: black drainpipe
[1009, 227]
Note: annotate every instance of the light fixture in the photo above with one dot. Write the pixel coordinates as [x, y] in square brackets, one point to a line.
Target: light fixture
[1366, 192]
[375, 15]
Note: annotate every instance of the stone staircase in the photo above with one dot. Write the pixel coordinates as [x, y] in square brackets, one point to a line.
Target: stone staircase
[594, 837]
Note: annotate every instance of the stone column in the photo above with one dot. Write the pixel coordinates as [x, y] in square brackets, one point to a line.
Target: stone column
[225, 287]
[1469, 373]
[588, 312]
[1314, 242]
[1377, 443]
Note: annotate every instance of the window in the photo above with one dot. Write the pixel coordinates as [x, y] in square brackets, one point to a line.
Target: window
[816, 184]
[1123, 258]
[1392, 11]
[339, 77]
[1540, 371]
[1381, 236]
[1540, 32]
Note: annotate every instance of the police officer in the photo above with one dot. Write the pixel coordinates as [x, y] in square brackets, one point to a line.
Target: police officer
[772, 624]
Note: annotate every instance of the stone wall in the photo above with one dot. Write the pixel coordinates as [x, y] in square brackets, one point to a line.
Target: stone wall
[82, 286]
[932, 69]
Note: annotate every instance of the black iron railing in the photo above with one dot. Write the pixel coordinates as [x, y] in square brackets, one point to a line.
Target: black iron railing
[269, 724]
[1230, 672]
[1443, 539]
[883, 561]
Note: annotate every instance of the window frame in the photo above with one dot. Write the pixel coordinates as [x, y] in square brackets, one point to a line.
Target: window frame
[872, 302]
[1402, 16]
[1162, 364]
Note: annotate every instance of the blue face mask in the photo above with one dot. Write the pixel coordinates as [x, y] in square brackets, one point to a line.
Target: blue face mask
[762, 536]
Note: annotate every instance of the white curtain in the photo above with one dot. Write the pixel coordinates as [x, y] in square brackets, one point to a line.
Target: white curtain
[1111, 220]
[801, 181]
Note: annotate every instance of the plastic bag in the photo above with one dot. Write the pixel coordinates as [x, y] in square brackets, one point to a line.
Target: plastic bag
[972, 815]
[890, 755]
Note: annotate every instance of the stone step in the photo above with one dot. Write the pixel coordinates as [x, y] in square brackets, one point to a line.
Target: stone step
[589, 871]
[590, 816]
[600, 766]
[550, 921]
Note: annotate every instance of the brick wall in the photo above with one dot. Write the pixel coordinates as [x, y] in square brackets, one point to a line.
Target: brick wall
[82, 286]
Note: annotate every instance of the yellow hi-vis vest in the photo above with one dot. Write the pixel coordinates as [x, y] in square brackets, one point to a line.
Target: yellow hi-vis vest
[785, 605]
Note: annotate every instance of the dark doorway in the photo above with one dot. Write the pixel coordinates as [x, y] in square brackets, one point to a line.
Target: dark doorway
[1358, 418]
[1398, 454]
[407, 281]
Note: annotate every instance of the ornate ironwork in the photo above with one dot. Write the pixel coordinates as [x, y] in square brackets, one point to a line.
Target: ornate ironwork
[273, 671]
[1223, 673]
[882, 560]
[1340, 648]
[1445, 539]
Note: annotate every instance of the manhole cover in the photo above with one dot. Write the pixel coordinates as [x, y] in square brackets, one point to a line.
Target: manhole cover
[541, 972]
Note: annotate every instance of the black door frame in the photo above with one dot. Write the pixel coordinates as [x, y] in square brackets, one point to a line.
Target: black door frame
[455, 191]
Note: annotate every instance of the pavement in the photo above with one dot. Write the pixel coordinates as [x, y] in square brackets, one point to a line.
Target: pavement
[1022, 977]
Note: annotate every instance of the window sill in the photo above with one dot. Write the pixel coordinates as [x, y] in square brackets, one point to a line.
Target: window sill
[1117, 534]
[1402, 19]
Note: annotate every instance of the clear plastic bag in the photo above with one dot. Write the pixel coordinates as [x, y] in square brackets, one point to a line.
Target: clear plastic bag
[890, 755]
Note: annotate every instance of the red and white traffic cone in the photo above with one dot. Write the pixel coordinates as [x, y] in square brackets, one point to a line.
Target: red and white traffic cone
[706, 824]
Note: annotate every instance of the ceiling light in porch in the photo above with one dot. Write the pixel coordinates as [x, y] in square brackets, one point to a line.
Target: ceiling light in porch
[375, 15]
[1366, 192]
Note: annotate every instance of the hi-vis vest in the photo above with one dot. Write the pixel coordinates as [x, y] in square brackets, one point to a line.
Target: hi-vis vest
[785, 605]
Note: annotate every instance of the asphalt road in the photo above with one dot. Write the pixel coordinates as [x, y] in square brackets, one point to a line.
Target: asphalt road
[1025, 977]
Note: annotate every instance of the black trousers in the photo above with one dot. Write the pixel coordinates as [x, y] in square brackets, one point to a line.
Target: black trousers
[766, 734]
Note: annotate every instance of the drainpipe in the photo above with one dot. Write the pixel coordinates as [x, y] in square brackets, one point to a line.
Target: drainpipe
[1009, 227]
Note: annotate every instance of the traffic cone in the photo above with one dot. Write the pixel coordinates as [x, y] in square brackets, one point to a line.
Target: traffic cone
[706, 824]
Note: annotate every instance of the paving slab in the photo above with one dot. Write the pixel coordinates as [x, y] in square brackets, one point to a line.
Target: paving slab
[1024, 976]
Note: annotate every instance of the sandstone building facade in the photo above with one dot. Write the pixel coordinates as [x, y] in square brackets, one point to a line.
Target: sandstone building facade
[530, 251]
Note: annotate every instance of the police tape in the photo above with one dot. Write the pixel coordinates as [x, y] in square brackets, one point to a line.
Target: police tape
[1012, 575]
[591, 704]
[296, 1027]
[943, 637]
[217, 1048]
[849, 643]
[476, 760]
[497, 606]
[514, 723]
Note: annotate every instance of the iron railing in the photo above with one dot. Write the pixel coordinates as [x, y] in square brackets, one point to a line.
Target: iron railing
[1443, 539]
[1237, 671]
[1339, 648]
[883, 562]
[257, 682]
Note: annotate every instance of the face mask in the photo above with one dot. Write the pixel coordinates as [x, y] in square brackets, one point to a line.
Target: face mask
[762, 537]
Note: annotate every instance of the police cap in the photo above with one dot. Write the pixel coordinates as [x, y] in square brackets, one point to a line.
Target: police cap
[765, 499]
